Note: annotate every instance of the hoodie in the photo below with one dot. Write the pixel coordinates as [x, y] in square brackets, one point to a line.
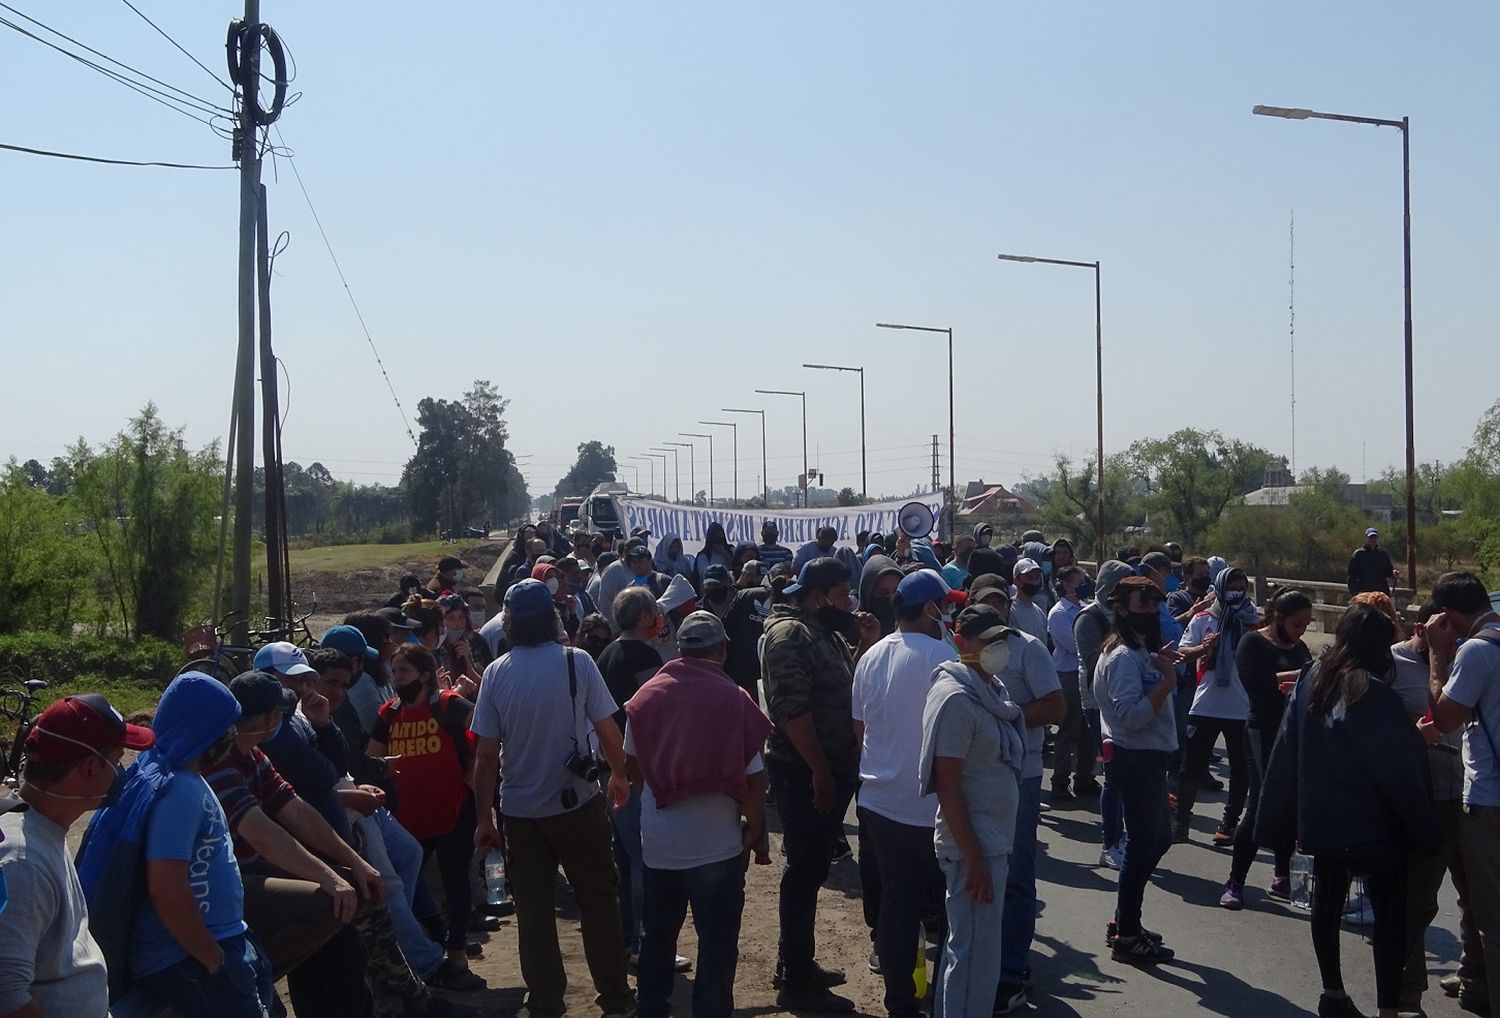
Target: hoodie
[875, 567]
[970, 718]
[679, 592]
[921, 550]
[680, 564]
[1093, 623]
[194, 712]
[716, 551]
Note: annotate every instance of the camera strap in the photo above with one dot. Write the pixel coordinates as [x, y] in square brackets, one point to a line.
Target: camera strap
[573, 693]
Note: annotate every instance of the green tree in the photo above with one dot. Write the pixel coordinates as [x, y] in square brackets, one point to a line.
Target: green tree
[152, 506]
[462, 471]
[1069, 502]
[595, 465]
[44, 570]
[1192, 476]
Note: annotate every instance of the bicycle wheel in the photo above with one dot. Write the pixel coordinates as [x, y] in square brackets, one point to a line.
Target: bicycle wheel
[218, 667]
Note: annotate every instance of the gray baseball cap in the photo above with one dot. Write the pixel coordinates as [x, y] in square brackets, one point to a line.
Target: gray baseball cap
[700, 631]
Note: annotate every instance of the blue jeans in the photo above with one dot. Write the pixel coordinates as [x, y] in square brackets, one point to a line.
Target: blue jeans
[240, 989]
[398, 857]
[717, 893]
[1020, 885]
[1141, 776]
[625, 824]
[970, 969]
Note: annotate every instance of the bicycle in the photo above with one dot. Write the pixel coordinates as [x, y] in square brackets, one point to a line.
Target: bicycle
[209, 652]
[17, 702]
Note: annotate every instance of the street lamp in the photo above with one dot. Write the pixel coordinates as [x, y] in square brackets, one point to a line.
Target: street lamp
[765, 478]
[676, 471]
[803, 397]
[651, 462]
[1098, 376]
[704, 434]
[736, 427]
[637, 470]
[692, 469]
[864, 479]
[1404, 126]
[952, 481]
[654, 458]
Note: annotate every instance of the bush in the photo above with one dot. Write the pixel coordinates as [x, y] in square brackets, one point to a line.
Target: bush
[144, 661]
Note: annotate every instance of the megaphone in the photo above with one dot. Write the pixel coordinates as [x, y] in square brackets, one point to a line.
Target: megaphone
[916, 520]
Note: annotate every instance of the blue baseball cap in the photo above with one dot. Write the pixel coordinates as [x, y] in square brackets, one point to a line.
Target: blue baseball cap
[922, 586]
[350, 641]
[529, 597]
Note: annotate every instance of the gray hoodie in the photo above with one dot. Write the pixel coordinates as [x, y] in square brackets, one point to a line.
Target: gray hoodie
[1092, 625]
[1125, 715]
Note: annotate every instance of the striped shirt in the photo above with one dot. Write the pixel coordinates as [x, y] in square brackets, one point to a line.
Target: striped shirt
[773, 554]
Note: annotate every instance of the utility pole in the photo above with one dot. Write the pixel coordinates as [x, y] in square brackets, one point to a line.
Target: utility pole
[278, 569]
[937, 469]
[244, 396]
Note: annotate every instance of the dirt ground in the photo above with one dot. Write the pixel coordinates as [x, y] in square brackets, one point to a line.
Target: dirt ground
[340, 593]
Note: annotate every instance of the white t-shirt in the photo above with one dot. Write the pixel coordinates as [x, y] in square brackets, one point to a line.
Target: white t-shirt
[696, 831]
[1030, 676]
[1475, 682]
[1211, 700]
[891, 682]
[524, 703]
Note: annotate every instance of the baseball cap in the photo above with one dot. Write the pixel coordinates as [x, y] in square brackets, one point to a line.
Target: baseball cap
[637, 551]
[820, 574]
[77, 725]
[260, 693]
[700, 630]
[922, 586]
[283, 657]
[448, 563]
[639, 532]
[1372, 532]
[1158, 560]
[350, 641]
[980, 622]
[772, 524]
[716, 573]
[1130, 583]
[396, 618]
[1024, 566]
[987, 584]
[527, 598]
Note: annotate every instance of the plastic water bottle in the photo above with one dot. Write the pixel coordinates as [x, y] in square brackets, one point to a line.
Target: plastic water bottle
[919, 974]
[1302, 881]
[494, 879]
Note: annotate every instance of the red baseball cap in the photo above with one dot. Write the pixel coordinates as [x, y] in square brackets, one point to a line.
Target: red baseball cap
[76, 725]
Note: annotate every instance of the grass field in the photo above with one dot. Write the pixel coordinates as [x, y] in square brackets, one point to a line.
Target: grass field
[346, 558]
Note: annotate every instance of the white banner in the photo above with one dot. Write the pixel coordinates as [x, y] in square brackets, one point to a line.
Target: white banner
[797, 526]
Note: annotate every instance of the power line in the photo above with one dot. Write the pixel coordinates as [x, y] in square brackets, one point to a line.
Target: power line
[174, 42]
[189, 99]
[348, 292]
[109, 162]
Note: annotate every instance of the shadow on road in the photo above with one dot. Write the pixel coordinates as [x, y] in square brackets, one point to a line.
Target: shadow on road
[1222, 993]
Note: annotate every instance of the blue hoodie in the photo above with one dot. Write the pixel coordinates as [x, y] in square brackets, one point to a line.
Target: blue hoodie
[193, 713]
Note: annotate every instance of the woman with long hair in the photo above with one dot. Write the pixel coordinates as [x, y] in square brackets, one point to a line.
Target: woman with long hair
[425, 730]
[1270, 660]
[1346, 776]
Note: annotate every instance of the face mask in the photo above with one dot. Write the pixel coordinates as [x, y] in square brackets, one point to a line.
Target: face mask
[1086, 590]
[1234, 597]
[458, 576]
[995, 657]
[111, 795]
[984, 541]
[1046, 568]
[552, 584]
[476, 617]
[1199, 585]
[885, 612]
[454, 635]
[1146, 625]
[1031, 589]
[410, 692]
[718, 595]
[262, 731]
[839, 621]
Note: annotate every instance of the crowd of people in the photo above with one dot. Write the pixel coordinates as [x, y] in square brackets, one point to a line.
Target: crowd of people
[633, 714]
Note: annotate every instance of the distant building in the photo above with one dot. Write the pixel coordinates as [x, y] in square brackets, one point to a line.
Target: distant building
[1377, 504]
[984, 500]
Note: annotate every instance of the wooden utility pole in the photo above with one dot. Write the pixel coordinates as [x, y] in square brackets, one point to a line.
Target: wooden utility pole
[244, 395]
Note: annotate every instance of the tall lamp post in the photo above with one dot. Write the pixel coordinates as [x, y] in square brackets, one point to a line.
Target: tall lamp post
[864, 477]
[663, 457]
[632, 466]
[765, 478]
[692, 469]
[952, 472]
[1100, 551]
[1404, 126]
[651, 464]
[803, 397]
[704, 434]
[676, 471]
[736, 447]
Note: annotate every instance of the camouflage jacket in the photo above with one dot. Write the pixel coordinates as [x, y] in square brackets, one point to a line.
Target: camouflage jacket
[805, 669]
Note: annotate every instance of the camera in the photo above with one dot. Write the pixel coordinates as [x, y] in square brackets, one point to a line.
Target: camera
[583, 766]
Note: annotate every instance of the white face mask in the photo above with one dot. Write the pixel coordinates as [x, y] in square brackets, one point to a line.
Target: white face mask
[995, 657]
[458, 576]
[476, 617]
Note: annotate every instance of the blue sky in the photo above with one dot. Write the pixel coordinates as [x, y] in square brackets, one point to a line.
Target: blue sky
[629, 216]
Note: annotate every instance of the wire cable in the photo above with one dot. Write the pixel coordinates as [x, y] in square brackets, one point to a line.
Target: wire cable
[348, 292]
[180, 49]
[111, 162]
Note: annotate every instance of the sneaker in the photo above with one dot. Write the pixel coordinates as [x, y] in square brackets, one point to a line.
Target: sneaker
[874, 961]
[1086, 787]
[450, 977]
[1181, 834]
[1060, 792]
[813, 998]
[821, 976]
[1341, 1007]
[1112, 931]
[841, 849]
[1280, 889]
[681, 964]
[1009, 997]
[1451, 984]
[1223, 837]
[1112, 858]
[1233, 897]
[1140, 950]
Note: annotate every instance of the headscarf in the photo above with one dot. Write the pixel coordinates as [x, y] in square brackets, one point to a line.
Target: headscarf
[1231, 623]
